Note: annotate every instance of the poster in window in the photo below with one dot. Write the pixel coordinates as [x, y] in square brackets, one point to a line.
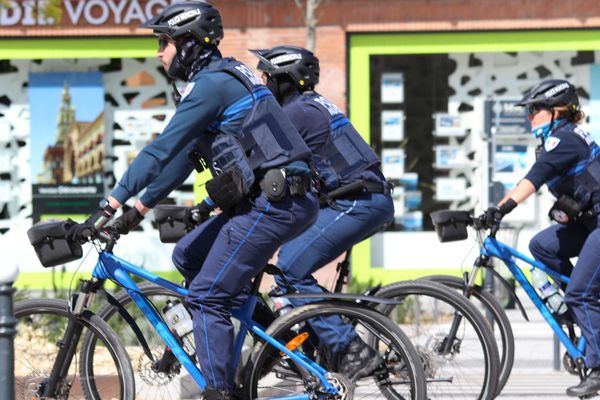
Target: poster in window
[392, 161]
[67, 143]
[450, 189]
[447, 125]
[392, 87]
[392, 126]
[448, 157]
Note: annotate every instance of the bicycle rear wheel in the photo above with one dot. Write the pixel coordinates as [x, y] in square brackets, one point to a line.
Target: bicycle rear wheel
[465, 367]
[41, 324]
[491, 309]
[272, 374]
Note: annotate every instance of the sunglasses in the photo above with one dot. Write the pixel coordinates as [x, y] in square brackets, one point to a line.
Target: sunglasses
[533, 109]
[163, 42]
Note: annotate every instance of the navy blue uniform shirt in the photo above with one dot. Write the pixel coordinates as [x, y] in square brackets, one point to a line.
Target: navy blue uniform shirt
[565, 147]
[313, 124]
[163, 164]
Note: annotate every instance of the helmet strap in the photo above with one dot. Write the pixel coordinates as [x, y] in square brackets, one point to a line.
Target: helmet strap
[281, 88]
[176, 93]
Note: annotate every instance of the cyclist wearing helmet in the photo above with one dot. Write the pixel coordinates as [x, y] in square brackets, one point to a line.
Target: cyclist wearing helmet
[568, 163]
[228, 120]
[356, 197]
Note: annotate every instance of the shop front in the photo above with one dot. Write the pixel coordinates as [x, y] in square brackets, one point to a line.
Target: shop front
[439, 108]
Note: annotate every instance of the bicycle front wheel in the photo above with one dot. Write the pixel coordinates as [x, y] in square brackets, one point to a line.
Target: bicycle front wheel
[494, 312]
[41, 324]
[273, 374]
[455, 343]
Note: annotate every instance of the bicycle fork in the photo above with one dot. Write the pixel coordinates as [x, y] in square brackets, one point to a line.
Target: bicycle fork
[448, 344]
[56, 383]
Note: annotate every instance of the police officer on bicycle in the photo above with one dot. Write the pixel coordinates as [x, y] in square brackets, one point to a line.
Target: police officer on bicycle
[356, 199]
[567, 162]
[226, 120]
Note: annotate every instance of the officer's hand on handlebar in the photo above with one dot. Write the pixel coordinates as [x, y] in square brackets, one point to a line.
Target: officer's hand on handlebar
[492, 217]
[82, 233]
[127, 221]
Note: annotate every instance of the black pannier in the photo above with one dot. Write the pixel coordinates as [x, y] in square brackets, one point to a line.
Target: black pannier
[51, 244]
[451, 225]
[173, 222]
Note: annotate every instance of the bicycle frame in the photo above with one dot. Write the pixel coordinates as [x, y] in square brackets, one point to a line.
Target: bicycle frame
[112, 267]
[491, 247]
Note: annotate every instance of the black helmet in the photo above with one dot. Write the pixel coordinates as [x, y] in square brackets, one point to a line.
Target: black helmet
[299, 64]
[197, 18]
[551, 93]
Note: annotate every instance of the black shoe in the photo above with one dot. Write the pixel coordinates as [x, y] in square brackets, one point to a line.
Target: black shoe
[589, 386]
[359, 360]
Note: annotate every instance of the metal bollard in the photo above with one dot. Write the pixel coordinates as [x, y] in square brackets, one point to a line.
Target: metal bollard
[8, 274]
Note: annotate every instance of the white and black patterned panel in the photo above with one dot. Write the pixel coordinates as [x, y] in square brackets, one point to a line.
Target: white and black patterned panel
[126, 102]
[15, 179]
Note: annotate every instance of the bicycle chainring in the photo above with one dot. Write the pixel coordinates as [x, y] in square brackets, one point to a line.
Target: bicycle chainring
[570, 364]
[345, 388]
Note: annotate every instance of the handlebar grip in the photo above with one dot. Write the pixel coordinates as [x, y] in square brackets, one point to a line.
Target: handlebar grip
[104, 236]
[86, 234]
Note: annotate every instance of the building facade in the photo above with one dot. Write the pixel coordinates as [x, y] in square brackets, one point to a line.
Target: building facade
[429, 83]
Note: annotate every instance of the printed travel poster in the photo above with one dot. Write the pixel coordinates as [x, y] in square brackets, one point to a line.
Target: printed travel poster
[392, 125]
[392, 88]
[67, 143]
[392, 161]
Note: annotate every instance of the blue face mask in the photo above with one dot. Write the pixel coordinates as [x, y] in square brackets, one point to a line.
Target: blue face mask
[543, 131]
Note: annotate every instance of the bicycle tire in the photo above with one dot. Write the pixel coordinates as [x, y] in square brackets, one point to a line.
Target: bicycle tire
[489, 305]
[443, 369]
[407, 366]
[38, 319]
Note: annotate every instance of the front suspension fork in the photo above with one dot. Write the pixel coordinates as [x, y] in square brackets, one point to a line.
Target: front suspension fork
[68, 344]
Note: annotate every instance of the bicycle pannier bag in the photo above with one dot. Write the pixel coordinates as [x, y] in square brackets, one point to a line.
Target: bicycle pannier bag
[49, 239]
[450, 225]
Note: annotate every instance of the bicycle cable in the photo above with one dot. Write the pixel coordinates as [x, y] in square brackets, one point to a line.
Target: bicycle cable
[75, 273]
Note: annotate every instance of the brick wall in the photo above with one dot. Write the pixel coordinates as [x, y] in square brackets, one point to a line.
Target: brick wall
[331, 49]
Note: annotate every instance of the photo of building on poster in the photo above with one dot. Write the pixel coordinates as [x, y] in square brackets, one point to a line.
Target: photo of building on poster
[67, 143]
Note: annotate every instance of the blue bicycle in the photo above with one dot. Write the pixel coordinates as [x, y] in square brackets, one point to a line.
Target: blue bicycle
[286, 361]
[452, 225]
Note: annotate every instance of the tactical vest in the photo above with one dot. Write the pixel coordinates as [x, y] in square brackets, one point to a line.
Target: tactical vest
[582, 181]
[267, 138]
[345, 154]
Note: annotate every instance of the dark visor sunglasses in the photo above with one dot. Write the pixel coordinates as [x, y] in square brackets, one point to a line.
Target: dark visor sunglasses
[163, 42]
[533, 109]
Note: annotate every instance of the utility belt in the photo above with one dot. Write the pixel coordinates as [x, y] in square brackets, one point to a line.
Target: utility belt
[277, 183]
[567, 210]
[357, 188]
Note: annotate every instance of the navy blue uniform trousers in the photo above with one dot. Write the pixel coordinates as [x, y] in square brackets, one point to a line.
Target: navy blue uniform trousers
[336, 230]
[220, 257]
[554, 246]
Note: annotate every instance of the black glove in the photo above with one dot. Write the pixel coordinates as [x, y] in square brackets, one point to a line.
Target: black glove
[127, 221]
[198, 213]
[492, 216]
[81, 233]
[104, 211]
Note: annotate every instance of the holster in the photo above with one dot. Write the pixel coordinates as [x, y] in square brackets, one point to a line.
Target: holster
[565, 210]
